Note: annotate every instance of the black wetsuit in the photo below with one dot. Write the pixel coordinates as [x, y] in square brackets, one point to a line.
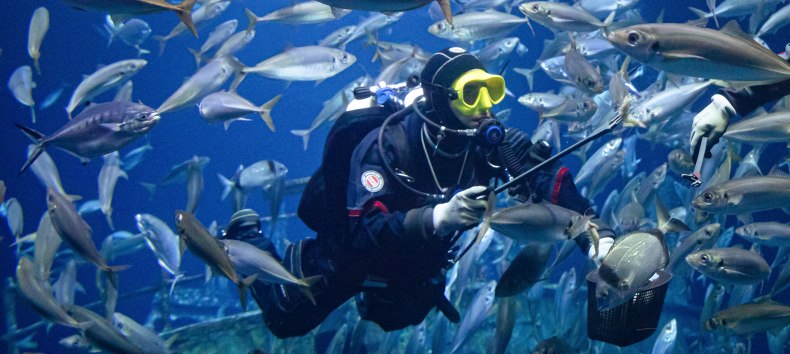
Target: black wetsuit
[387, 251]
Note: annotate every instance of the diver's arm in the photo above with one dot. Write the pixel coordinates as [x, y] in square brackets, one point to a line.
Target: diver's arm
[744, 101]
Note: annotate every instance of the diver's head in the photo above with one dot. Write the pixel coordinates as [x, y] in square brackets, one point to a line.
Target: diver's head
[242, 223]
[458, 89]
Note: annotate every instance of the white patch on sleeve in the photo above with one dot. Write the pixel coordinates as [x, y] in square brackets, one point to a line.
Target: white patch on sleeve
[373, 181]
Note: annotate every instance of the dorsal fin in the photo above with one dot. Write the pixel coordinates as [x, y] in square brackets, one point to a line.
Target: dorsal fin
[733, 29]
[778, 172]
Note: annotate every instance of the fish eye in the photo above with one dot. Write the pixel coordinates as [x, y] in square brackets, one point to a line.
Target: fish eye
[726, 196]
[633, 38]
[344, 59]
[535, 8]
[441, 26]
[704, 259]
[708, 197]
[712, 324]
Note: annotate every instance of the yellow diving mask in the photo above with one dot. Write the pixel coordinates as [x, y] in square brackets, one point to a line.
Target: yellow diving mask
[477, 92]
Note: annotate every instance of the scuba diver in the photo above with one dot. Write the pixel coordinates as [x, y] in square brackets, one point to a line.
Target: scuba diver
[712, 121]
[393, 193]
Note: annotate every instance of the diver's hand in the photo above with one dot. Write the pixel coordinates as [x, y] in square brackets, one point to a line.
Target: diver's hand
[604, 245]
[461, 211]
[711, 123]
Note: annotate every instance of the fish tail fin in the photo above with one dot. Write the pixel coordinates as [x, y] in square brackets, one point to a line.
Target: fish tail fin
[227, 184]
[141, 51]
[528, 73]
[243, 285]
[304, 133]
[665, 222]
[117, 269]
[266, 109]
[712, 7]
[308, 283]
[252, 19]
[151, 188]
[38, 138]
[607, 23]
[108, 215]
[109, 27]
[701, 14]
[176, 278]
[197, 56]
[162, 43]
[184, 12]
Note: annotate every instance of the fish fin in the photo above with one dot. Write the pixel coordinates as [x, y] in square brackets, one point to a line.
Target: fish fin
[243, 285]
[252, 19]
[197, 56]
[607, 23]
[745, 218]
[266, 109]
[337, 12]
[117, 268]
[733, 29]
[777, 172]
[679, 56]
[151, 187]
[175, 280]
[207, 274]
[712, 7]
[305, 134]
[447, 10]
[528, 73]
[79, 287]
[308, 283]
[490, 202]
[108, 215]
[184, 13]
[162, 43]
[38, 138]
[227, 184]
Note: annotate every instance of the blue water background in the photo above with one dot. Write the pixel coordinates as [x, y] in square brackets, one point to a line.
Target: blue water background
[73, 48]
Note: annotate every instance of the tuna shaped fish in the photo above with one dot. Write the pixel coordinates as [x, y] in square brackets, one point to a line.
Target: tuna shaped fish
[101, 333]
[200, 242]
[208, 11]
[477, 313]
[562, 17]
[730, 266]
[130, 8]
[205, 81]
[304, 64]
[303, 13]
[581, 73]
[749, 319]
[74, 231]
[262, 174]
[45, 247]
[104, 79]
[108, 176]
[45, 170]
[665, 341]
[544, 222]
[121, 243]
[132, 33]
[134, 157]
[228, 107]
[390, 6]
[124, 93]
[774, 234]
[745, 195]
[474, 26]
[339, 36]
[67, 284]
[38, 294]
[21, 85]
[163, 242]
[765, 128]
[233, 44]
[728, 54]
[703, 238]
[142, 337]
[250, 260]
[96, 131]
[215, 38]
[39, 25]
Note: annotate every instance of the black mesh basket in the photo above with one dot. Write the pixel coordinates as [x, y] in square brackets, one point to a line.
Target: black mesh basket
[631, 322]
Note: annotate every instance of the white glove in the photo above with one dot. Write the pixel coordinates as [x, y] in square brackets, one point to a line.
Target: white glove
[711, 123]
[604, 245]
[461, 211]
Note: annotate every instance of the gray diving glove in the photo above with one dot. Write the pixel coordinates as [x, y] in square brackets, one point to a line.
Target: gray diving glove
[711, 123]
[461, 211]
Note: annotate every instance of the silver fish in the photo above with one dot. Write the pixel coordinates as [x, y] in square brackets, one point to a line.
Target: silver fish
[389, 52]
[372, 24]
[101, 333]
[703, 238]
[765, 128]
[333, 108]
[749, 318]
[304, 64]
[228, 107]
[679, 161]
[104, 79]
[734, 8]
[121, 243]
[89, 207]
[338, 37]
[96, 131]
[548, 131]
[132, 33]
[389, 6]
[605, 152]
[497, 50]
[545, 223]
[75, 231]
[110, 172]
[39, 25]
[218, 36]
[665, 342]
[250, 260]
[66, 285]
[12, 211]
[303, 13]
[542, 101]
[45, 170]
[745, 195]
[163, 242]
[134, 157]
[572, 110]
[728, 54]
[649, 186]
[667, 103]
[730, 266]
[561, 17]
[211, 251]
[45, 247]
[52, 97]
[477, 313]
[234, 44]
[138, 7]
[474, 26]
[601, 8]
[777, 20]
[262, 174]
[38, 294]
[21, 85]
[205, 13]
[147, 340]
[206, 80]
[774, 234]
[400, 70]
[581, 73]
